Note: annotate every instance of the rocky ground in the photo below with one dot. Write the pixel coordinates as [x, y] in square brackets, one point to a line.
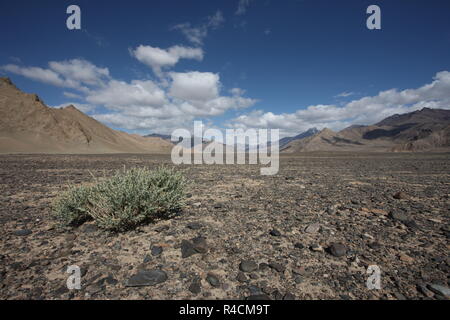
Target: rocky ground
[309, 232]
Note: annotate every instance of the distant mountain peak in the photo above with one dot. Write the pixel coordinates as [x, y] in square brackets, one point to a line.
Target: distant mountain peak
[326, 131]
[6, 80]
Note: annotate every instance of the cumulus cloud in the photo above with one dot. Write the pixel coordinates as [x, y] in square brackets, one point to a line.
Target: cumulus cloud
[145, 104]
[194, 86]
[189, 95]
[122, 94]
[39, 74]
[367, 110]
[144, 124]
[157, 58]
[142, 104]
[196, 34]
[75, 73]
[80, 70]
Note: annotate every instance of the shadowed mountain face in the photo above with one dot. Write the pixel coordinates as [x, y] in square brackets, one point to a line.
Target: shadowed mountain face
[27, 125]
[310, 132]
[156, 135]
[423, 130]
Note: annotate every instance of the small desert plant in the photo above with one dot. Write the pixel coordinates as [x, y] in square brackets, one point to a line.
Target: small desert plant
[71, 207]
[132, 197]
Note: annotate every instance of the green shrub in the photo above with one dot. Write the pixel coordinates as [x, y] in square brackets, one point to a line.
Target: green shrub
[71, 207]
[130, 198]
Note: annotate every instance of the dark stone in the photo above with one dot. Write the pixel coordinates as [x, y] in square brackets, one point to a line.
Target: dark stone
[277, 266]
[94, 288]
[422, 288]
[254, 290]
[289, 296]
[194, 225]
[61, 290]
[22, 233]
[338, 249]
[263, 266]
[187, 249]
[411, 224]
[157, 250]
[298, 280]
[439, 289]
[213, 280]
[298, 245]
[374, 245]
[147, 278]
[147, 258]
[248, 266]
[241, 277]
[275, 233]
[200, 244]
[110, 280]
[196, 286]
[277, 295]
[400, 195]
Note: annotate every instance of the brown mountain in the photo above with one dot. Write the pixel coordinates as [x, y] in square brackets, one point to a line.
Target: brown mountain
[27, 125]
[423, 130]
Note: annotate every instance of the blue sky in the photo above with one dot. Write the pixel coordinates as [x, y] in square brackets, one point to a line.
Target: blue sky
[153, 66]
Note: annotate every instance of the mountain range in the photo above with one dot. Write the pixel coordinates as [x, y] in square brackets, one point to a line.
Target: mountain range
[27, 125]
[421, 130]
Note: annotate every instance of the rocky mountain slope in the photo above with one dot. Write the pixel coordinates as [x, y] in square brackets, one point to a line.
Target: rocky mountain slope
[422, 130]
[27, 125]
[308, 133]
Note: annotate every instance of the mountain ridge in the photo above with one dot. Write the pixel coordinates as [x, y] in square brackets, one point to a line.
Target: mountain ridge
[27, 125]
[422, 130]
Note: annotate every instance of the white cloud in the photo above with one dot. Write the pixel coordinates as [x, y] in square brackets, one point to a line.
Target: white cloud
[145, 125]
[344, 94]
[138, 104]
[194, 86]
[72, 95]
[367, 110]
[237, 91]
[39, 74]
[119, 94]
[142, 104]
[196, 34]
[242, 7]
[157, 58]
[80, 70]
[75, 73]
